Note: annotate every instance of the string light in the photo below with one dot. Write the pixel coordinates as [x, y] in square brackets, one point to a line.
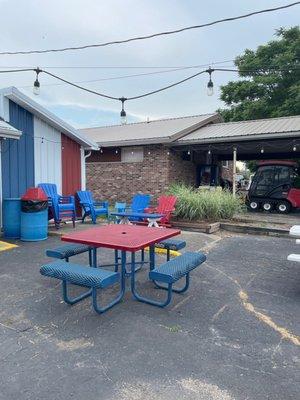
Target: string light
[189, 152]
[36, 84]
[209, 152]
[149, 152]
[123, 112]
[117, 151]
[101, 150]
[132, 153]
[210, 85]
[262, 150]
[168, 152]
[294, 148]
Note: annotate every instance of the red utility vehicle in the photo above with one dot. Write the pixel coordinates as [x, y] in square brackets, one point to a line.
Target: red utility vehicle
[275, 186]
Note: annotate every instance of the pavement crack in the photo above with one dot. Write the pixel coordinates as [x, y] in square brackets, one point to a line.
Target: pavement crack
[219, 312]
[244, 298]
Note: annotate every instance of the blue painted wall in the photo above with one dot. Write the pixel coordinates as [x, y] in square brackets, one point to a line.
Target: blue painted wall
[18, 155]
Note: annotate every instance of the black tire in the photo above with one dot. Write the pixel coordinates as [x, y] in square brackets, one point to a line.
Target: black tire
[267, 206]
[253, 205]
[283, 207]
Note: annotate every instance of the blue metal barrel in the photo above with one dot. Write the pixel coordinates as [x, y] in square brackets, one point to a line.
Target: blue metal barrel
[11, 218]
[34, 226]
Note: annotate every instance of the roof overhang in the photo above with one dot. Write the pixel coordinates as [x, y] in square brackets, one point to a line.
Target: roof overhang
[167, 140]
[8, 132]
[36, 109]
[234, 139]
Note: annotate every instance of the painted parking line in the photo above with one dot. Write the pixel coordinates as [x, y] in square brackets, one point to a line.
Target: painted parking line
[6, 246]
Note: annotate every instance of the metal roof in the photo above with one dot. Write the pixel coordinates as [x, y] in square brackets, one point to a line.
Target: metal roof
[149, 132]
[283, 127]
[8, 131]
[35, 108]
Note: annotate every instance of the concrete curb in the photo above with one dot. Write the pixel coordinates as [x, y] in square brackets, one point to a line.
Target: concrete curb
[255, 230]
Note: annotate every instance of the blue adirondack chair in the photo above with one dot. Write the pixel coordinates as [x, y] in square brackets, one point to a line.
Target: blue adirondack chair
[91, 207]
[119, 207]
[60, 207]
[138, 204]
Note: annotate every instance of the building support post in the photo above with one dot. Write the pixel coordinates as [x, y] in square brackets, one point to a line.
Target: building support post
[234, 173]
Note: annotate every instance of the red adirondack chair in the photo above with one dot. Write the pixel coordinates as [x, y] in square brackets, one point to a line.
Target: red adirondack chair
[166, 205]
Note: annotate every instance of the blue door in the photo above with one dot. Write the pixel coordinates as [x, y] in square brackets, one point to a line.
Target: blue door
[18, 155]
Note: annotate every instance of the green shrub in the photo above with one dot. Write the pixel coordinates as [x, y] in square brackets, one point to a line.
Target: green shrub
[197, 204]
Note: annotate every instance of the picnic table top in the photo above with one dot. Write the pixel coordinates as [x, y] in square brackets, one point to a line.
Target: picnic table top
[121, 237]
[137, 214]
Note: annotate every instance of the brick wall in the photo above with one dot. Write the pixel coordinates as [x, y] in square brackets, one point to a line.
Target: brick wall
[181, 171]
[226, 172]
[119, 181]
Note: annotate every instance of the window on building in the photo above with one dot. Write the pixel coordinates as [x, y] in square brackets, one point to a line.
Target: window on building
[132, 154]
[225, 163]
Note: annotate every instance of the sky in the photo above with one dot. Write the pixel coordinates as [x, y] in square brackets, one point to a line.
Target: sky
[35, 24]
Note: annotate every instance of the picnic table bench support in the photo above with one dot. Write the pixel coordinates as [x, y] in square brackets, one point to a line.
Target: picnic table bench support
[101, 310]
[145, 299]
[138, 264]
[176, 290]
[73, 300]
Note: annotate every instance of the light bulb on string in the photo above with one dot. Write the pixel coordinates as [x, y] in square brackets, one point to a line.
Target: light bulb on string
[210, 85]
[209, 152]
[262, 150]
[117, 151]
[294, 148]
[36, 84]
[101, 150]
[123, 112]
[149, 152]
[189, 152]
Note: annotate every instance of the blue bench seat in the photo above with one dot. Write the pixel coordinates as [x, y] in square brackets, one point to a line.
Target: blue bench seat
[171, 244]
[169, 273]
[80, 275]
[177, 268]
[92, 278]
[68, 250]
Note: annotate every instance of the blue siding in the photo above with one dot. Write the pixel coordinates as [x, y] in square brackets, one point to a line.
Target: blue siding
[18, 155]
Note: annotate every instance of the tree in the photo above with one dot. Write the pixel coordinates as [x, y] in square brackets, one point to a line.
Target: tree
[271, 84]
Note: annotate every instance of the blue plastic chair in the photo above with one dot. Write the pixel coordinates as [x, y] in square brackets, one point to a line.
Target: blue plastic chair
[119, 207]
[59, 206]
[90, 207]
[138, 204]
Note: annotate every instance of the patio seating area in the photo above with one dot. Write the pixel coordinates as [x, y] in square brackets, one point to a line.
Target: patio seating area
[239, 313]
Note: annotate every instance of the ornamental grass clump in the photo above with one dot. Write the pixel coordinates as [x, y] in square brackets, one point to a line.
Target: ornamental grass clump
[196, 204]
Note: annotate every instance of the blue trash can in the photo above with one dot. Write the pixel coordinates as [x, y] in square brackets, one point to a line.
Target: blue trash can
[34, 215]
[34, 226]
[11, 218]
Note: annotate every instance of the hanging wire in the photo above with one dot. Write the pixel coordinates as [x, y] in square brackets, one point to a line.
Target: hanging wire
[137, 38]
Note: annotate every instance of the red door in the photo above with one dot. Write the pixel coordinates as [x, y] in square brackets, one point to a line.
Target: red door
[71, 166]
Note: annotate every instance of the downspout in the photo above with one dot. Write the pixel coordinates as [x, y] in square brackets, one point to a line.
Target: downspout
[83, 168]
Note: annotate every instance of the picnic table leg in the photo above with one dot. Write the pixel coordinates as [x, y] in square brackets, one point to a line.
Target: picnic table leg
[119, 297]
[116, 261]
[152, 222]
[145, 299]
[152, 256]
[125, 221]
[94, 257]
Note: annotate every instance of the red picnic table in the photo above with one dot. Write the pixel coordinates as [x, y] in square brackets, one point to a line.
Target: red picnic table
[126, 238]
